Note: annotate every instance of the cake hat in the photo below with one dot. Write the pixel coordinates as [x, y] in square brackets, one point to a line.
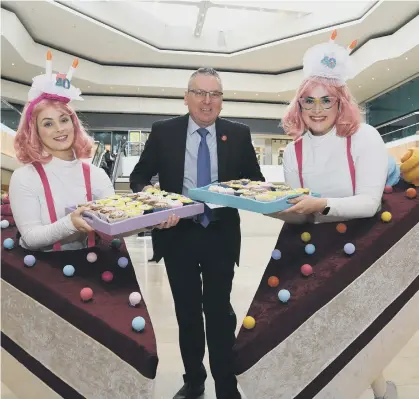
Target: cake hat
[329, 60]
[52, 86]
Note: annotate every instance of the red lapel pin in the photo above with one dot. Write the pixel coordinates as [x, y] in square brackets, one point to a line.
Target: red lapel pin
[224, 138]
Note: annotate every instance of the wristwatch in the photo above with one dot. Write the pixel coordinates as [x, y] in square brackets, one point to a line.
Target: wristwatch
[326, 210]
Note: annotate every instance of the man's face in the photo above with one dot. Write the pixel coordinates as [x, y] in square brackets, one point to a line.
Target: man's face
[204, 99]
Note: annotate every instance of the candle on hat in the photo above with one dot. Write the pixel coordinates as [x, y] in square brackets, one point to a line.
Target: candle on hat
[72, 69]
[48, 68]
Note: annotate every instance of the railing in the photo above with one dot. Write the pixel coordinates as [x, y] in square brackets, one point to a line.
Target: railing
[401, 133]
[117, 164]
[392, 122]
[98, 155]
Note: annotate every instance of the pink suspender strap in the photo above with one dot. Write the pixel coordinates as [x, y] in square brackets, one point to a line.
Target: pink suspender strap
[351, 163]
[86, 173]
[50, 202]
[299, 154]
[48, 197]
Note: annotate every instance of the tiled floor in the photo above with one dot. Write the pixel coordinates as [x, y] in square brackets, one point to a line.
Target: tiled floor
[259, 236]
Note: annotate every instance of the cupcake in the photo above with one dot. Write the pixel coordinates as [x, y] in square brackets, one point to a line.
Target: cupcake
[236, 186]
[116, 216]
[264, 198]
[302, 190]
[115, 203]
[186, 201]
[150, 201]
[134, 212]
[85, 205]
[105, 211]
[214, 188]
[239, 192]
[248, 195]
[160, 206]
[175, 204]
[132, 195]
[145, 208]
[173, 196]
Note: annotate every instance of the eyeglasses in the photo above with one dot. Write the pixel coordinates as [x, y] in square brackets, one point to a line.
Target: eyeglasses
[215, 95]
[325, 102]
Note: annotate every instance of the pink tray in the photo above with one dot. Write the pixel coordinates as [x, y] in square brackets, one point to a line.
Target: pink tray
[133, 224]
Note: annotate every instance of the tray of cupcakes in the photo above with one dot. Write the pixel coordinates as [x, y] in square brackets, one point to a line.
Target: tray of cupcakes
[253, 196]
[121, 214]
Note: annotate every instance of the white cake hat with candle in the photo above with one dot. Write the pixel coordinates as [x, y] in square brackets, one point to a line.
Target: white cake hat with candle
[330, 61]
[50, 85]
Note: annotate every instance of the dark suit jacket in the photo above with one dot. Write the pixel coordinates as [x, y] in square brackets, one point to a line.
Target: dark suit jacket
[164, 154]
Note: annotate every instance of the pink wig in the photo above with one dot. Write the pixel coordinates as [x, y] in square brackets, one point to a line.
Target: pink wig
[349, 116]
[28, 145]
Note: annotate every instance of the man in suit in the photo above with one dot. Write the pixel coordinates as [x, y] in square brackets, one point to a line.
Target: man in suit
[187, 152]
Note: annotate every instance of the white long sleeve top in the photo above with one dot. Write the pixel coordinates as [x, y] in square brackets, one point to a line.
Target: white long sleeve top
[29, 207]
[326, 171]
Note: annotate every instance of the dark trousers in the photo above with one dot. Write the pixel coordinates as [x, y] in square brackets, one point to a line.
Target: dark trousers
[200, 268]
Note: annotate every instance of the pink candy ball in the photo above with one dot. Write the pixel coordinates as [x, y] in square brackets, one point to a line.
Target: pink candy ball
[91, 257]
[107, 277]
[134, 298]
[86, 294]
[388, 189]
[306, 270]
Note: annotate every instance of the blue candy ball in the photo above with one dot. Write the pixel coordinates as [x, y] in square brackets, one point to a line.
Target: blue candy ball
[8, 243]
[138, 323]
[349, 248]
[310, 249]
[69, 270]
[29, 260]
[276, 254]
[284, 296]
[123, 262]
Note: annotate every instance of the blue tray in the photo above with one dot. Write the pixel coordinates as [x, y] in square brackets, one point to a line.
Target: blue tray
[229, 200]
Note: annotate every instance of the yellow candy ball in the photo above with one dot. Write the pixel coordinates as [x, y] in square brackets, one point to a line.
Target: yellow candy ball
[306, 237]
[386, 217]
[249, 322]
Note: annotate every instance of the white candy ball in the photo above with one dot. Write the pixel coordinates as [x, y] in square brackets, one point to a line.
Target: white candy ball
[134, 298]
[4, 224]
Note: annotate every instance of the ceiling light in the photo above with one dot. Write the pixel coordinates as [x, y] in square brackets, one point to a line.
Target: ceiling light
[373, 78]
[257, 94]
[406, 58]
[13, 64]
[88, 87]
[279, 95]
[388, 69]
[162, 89]
[111, 87]
[138, 89]
[234, 93]
[359, 86]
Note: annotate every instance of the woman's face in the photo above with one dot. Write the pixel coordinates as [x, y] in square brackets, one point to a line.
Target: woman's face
[56, 131]
[319, 110]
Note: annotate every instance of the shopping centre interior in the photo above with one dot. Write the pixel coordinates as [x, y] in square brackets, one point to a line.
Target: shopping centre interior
[135, 59]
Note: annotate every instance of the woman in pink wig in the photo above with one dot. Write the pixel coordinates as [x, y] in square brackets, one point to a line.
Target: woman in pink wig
[51, 143]
[334, 153]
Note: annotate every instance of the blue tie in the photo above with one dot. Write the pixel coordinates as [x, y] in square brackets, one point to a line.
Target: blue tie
[204, 172]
